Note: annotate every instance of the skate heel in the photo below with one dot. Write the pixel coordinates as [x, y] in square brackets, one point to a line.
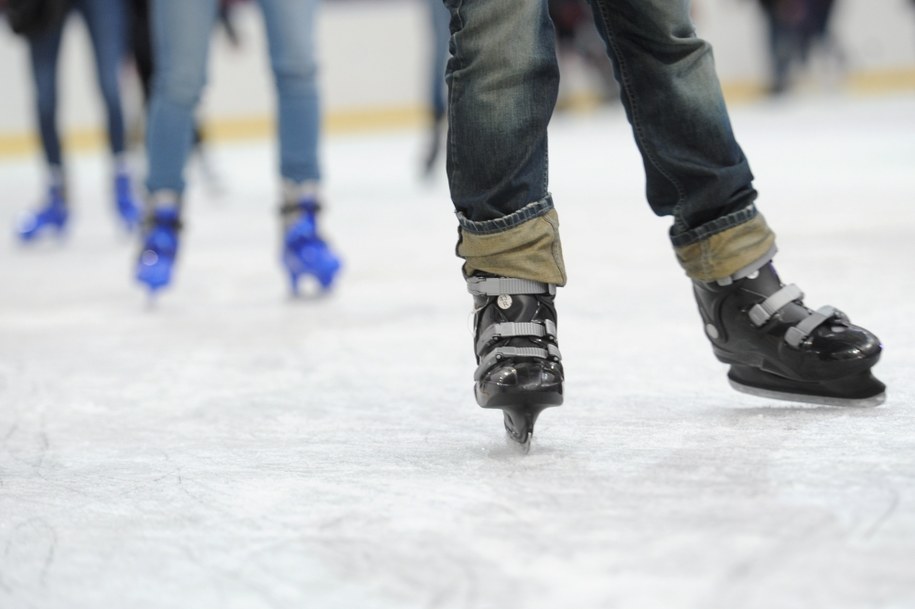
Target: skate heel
[50, 219]
[160, 247]
[859, 390]
[305, 253]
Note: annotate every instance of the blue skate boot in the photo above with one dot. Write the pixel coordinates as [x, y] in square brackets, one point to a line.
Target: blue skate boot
[125, 203]
[304, 251]
[160, 246]
[52, 217]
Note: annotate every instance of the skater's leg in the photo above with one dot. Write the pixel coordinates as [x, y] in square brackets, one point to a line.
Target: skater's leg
[290, 26]
[290, 35]
[107, 21]
[44, 49]
[697, 173]
[181, 35]
[503, 81]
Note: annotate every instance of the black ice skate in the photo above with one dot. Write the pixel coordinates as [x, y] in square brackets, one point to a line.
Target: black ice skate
[518, 359]
[778, 348]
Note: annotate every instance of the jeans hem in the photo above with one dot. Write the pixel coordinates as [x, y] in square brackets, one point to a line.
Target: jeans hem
[497, 225]
[714, 227]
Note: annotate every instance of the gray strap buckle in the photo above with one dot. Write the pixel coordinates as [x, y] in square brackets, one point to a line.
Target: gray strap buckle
[535, 329]
[494, 286]
[799, 333]
[763, 312]
[551, 352]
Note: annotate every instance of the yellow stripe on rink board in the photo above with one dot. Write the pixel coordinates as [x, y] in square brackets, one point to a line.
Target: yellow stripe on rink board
[373, 119]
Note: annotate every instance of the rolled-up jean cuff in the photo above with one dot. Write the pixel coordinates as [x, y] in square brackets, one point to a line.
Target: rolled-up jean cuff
[723, 253]
[496, 225]
[530, 250]
[716, 226]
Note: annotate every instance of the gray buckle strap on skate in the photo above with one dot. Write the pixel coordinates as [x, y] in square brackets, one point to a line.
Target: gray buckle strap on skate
[798, 333]
[495, 286]
[551, 352]
[763, 312]
[510, 329]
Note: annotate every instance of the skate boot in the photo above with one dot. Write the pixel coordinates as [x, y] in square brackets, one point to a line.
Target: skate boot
[304, 251]
[518, 359]
[160, 246]
[124, 201]
[52, 217]
[778, 348]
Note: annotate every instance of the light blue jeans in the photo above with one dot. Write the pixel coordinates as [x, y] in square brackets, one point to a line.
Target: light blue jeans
[181, 36]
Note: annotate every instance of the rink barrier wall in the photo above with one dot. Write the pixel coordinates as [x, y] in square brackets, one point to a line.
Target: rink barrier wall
[374, 119]
[386, 88]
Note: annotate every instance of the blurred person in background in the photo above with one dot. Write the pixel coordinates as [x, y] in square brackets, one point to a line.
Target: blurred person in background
[799, 31]
[438, 22]
[503, 78]
[142, 55]
[785, 20]
[577, 36]
[181, 35]
[819, 41]
[42, 24]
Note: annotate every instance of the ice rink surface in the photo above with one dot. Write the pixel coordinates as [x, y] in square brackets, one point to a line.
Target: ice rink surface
[232, 447]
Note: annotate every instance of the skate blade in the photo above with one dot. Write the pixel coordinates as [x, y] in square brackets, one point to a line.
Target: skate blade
[869, 402]
[857, 390]
[519, 429]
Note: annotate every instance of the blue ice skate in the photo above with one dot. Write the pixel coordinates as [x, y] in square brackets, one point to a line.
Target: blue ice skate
[50, 218]
[160, 245]
[127, 208]
[304, 251]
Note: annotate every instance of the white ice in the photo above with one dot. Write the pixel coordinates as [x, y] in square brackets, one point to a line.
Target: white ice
[232, 447]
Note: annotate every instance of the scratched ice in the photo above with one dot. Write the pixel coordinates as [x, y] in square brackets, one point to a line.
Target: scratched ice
[230, 447]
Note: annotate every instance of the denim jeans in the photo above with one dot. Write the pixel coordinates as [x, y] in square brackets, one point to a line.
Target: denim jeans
[106, 21]
[503, 79]
[181, 34]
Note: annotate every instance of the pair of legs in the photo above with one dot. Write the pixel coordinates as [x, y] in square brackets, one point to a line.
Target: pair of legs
[503, 82]
[106, 21]
[181, 38]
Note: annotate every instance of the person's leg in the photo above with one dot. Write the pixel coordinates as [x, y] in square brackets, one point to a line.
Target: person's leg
[698, 174]
[44, 50]
[107, 22]
[290, 28]
[503, 83]
[181, 35]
